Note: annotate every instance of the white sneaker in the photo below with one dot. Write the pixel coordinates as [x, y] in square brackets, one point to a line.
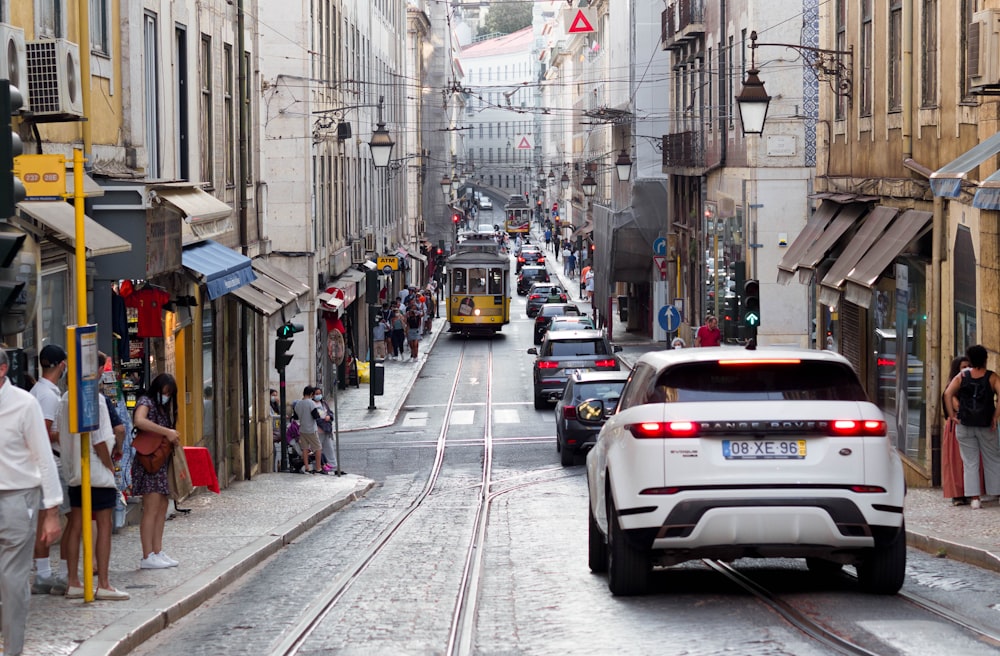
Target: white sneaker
[152, 562]
[166, 559]
[976, 505]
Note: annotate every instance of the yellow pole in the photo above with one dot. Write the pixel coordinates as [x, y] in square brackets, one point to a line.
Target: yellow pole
[84, 37]
[81, 320]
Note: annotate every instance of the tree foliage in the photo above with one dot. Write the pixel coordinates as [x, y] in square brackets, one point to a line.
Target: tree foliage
[507, 17]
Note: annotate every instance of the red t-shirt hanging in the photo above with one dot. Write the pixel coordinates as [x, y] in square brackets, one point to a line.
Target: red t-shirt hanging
[149, 302]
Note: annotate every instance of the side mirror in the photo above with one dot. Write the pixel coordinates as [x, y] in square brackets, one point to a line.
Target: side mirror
[533, 351]
[591, 411]
[617, 348]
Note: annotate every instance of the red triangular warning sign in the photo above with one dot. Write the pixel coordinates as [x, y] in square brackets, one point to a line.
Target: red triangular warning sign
[524, 145]
[580, 24]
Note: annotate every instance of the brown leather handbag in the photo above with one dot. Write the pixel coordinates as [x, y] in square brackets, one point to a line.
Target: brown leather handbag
[152, 450]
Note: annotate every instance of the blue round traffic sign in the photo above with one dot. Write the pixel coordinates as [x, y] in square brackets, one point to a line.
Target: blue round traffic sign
[669, 318]
[660, 246]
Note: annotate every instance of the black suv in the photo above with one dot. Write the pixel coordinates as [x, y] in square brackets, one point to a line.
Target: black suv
[565, 353]
[573, 436]
[529, 275]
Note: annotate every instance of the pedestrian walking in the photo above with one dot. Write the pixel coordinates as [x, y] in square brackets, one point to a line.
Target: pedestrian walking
[397, 325]
[28, 481]
[952, 476]
[709, 334]
[548, 238]
[571, 265]
[155, 412]
[324, 423]
[976, 389]
[414, 320]
[378, 339]
[52, 361]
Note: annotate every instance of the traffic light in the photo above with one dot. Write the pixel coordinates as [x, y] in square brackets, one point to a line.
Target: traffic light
[11, 189]
[455, 218]
[10, 287]
[751, 303]
[284, 342]
[288, 329]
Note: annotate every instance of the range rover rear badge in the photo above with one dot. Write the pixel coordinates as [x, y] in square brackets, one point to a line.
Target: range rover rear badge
[845, 452]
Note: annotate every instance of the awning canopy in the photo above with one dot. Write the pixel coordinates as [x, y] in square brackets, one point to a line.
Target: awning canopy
[205, 216]
[420, 257]
[583, 230]
[887, 248]
[988, 193]
[272, 290]
[846, 218]
[90, 186]
[947, 180]
[220, 269]
[57, 221]
[807, 237]
[873, 225]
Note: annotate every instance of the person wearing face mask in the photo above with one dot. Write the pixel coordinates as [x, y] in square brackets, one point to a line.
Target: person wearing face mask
[308, 412]
[325, 426]
[275, 413]
[155, 411]
[53, 365]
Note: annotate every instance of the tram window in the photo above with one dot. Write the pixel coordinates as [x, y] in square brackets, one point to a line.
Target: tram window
[458, 281]
[477, 281]
[496, 281]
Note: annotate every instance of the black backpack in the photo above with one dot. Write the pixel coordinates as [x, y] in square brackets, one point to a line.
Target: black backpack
[975, 400]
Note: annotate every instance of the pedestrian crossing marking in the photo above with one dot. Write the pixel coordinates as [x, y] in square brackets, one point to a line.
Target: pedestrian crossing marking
[415, 419]
[462, 417]
[506, 416]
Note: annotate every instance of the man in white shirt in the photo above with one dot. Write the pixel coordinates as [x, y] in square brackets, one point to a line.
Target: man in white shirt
[103, 497]
[28, 479]
[52, 360]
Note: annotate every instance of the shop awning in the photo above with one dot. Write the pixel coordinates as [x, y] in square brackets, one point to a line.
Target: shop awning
[272, 290]
[205, 216]
[988, 193]
[58, 222]
[872, 226]
[583, 230]
[807, 237]
[420, 257]
[846, 218]
[220, 269]
[90, 186]
[907, 227]
[947, 180]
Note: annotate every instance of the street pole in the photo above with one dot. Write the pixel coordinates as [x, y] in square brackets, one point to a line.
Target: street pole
[284, 419]
[371, 361]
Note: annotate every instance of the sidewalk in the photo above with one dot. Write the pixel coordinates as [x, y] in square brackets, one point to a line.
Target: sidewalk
[226, 535]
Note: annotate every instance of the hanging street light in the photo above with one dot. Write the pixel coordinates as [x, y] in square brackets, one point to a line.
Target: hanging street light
[381, 143]
[446, 187]
[564, 181]
[624, 166]
[589, 185]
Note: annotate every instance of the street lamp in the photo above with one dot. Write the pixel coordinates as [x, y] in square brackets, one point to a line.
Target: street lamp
[564, 181]
[753, 101]
[381, 143]
[446, 187]
[589, 185]
[624, 166]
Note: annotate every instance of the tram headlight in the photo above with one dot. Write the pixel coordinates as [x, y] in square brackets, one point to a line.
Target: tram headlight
[476, 312]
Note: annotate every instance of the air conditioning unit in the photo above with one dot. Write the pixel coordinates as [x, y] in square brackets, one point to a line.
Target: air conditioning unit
[357, 251]
[983, 56]
[13, 59]
[54, 78]
[370, 243]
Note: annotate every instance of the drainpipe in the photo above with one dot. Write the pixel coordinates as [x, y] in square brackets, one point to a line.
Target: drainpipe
[244, 363]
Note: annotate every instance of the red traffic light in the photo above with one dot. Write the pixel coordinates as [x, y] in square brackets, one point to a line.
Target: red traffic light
[440, 251]
[455, 218]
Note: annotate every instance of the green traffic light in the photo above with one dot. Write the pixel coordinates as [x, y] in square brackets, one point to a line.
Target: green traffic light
[289, 329]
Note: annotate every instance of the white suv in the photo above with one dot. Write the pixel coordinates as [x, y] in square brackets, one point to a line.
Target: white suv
[729, 453]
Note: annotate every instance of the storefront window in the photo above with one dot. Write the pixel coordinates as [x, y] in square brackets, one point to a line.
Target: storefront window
[53, 302]
[906, 409]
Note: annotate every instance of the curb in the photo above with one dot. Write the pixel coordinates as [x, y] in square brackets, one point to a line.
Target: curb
[979, 557]
[127, 633]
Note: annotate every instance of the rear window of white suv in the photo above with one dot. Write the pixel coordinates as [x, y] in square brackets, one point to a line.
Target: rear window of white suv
[756, 381]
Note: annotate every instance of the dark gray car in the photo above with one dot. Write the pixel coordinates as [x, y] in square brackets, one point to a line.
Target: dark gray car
[572, 436]
[565, 353]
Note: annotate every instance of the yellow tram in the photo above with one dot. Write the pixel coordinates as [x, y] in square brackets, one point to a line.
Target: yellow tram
[517, 216]
[478, 292]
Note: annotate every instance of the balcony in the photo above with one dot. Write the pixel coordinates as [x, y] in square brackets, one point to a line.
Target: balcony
[681, 22]
[683, 152]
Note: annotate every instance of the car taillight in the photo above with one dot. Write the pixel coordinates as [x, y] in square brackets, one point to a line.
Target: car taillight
[883, 362]
[857, 428]
[534, 296]
[520, 259]
[548, 364]
[562, 297]
[661, 430]
[541, 260]
[569, 412]
[540, 319]
[610, 362]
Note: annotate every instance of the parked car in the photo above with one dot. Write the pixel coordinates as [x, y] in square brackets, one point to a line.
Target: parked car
[529, 275]
[530, 255]
[565, 353]
[573, 436]
[570, 322]
[730, 453]
[550, 311]
[541, 293]
[485, 203]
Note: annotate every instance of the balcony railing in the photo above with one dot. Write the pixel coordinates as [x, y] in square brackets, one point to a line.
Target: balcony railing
[681, 21]
[684, 150]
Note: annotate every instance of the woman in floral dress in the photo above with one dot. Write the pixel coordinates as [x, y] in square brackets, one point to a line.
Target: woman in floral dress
[155, 411]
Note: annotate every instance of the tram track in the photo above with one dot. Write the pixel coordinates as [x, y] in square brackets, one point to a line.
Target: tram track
[829, 638]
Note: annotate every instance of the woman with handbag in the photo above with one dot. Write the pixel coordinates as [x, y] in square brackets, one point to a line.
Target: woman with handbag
[155, 414]
[325, 426]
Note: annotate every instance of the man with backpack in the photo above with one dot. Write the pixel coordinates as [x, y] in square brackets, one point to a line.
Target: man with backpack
[976, 389]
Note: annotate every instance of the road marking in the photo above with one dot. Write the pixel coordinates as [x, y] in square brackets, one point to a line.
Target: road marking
[462, 417]
[506, 416]
[415, 419]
